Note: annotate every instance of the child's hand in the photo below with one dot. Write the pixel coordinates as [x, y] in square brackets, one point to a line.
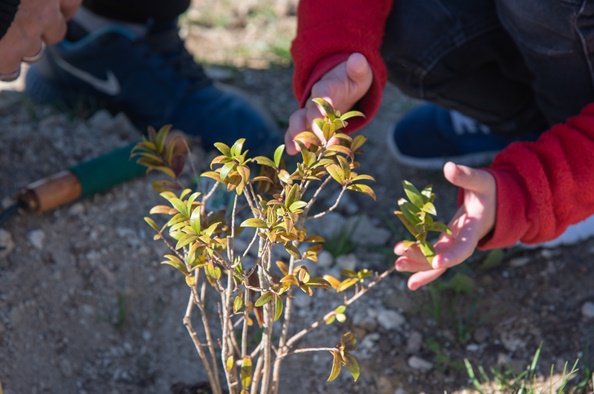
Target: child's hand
[474, 220]
[342, 87]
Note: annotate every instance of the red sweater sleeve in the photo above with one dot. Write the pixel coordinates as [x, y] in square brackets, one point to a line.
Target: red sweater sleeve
[327, 33]
[546, 185]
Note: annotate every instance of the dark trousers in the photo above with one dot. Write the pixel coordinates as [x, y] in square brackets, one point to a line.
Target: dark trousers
[138, 11]
[515, 65]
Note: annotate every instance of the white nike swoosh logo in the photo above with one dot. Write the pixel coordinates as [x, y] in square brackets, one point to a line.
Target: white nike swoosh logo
[109, 86]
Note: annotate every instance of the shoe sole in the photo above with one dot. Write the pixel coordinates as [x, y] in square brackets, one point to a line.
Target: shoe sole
[572, 235]
[437, 163]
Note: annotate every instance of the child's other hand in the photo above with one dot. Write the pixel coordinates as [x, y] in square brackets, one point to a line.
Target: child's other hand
[342, 87]
[474, 219]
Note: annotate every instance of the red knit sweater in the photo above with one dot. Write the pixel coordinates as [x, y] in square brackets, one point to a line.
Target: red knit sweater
[542, 186]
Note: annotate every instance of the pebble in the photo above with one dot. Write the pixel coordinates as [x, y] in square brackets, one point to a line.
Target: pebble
[414, 342]
[347, 261]
[325, 259]
[36, 237]
[6, 243]
[390, 320]
[366, 232]
[419, 364]
[66, 368]
[588, 310]
[519, 262]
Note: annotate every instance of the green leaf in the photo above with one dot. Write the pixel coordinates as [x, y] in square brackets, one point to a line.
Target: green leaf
[246, 372]
[308, 138]
[151, 223]
[351, 114]
[427, 250]
[195, 220]
[230, 363]
[176, 263]
[361, 188]
[237, 304]
[358, 142]
[264, 161]
[413, 194]
[254, 222]
[223, 148]
[336, 173]
[429, 208]
[278, 307]
[353, 366]
[278, 155]
[410, 211]
[325, 106]
[336, 366]
[339, 149]
[237, 146]
[439, 227]
[282, 267]
[345, 284]
[409, 226]
[263, 299]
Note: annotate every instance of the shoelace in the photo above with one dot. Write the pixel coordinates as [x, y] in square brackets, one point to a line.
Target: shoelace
[170, 47]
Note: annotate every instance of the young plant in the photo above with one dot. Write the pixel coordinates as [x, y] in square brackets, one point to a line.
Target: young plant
[417, 216]
[274, 203]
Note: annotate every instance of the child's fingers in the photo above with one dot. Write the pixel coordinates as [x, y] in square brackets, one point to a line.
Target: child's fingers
[404, 264]
[423, 278]
[468, 178]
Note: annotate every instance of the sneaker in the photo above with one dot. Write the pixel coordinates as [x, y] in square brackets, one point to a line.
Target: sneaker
[429, 136]
[153, 80]
[571, 236]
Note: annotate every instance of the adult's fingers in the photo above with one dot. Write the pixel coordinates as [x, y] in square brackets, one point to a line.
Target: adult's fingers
[69, 8]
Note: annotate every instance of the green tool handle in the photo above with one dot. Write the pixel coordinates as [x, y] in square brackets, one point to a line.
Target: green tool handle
[84, 179]
[104, 172]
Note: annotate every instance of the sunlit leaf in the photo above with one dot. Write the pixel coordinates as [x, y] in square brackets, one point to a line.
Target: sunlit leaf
[413, 194]
[254, 222]
[278, 155]
[336, 366]
[282, 267]
[345, 284]
[361, 188]
[336, 173]
[409, 226]
[151, 223]
[358, 142]
[278, 307]
[429, 208]
[264, 161]
[237, 146]
[230, 363]
[353, 366]
[176, 263]
[246, 372]
[308, 138]
[263, 299]
[335, 283]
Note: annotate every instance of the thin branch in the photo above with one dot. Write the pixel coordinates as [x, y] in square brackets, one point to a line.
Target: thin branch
[348, 302]
[332, 208]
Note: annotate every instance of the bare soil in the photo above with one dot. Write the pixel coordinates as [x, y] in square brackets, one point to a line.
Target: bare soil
[85, 306]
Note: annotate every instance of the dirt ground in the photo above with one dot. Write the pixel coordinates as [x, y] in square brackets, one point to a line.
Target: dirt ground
[85, 306]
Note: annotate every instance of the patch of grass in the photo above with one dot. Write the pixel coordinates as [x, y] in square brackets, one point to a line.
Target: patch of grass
[526, 382]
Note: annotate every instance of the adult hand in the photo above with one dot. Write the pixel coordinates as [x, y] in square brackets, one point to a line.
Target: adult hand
[36, 23]
[342, 87]
[474, 219]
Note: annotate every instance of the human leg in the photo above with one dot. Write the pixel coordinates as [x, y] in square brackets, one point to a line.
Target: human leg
[144, 70]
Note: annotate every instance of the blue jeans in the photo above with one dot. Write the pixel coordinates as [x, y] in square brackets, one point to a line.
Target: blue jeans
[515, 65]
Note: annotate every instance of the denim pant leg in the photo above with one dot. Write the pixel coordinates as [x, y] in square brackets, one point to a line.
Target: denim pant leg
[456, 54]
[556, 39]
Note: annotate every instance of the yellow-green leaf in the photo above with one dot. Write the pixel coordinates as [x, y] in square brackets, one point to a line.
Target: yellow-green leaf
[246, 372]
[336, 366]
[353, 366]
[254, 222]
[361, 188]
[278, 307]
[263, 299]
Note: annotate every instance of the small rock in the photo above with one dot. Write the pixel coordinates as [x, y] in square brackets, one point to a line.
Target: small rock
[390, 320]
[414, 342]
[588, 310]
[472, 347]
[347, 261]
[481, 334]
[418, 363]
[325, 259]
[519, 262]
[66, 368]
[36, 237]
[6, 243]
[77, 209]
[366, 232]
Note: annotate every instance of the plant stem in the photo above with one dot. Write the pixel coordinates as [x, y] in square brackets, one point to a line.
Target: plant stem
[212, 378]
[347, 302]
